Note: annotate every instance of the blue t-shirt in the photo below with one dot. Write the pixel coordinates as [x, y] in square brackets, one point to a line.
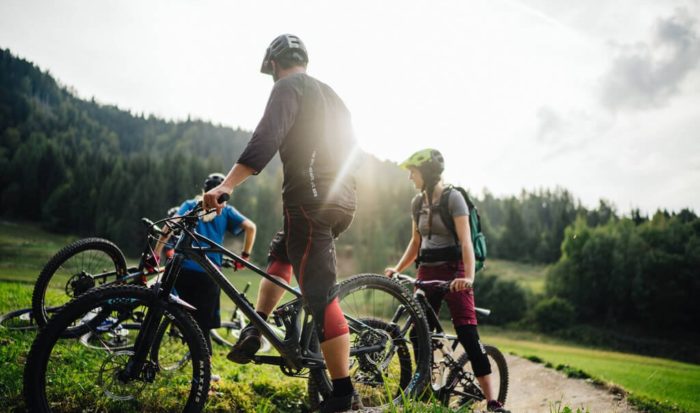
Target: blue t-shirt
[229, 220]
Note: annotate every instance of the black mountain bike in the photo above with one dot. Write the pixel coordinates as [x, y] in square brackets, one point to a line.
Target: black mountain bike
[21, 319]
[57, 369]
[452, 380]
[83, 265]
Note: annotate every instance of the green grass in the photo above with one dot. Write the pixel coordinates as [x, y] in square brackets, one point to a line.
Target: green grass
[653, 382]
[647, 378]
[529, 276]
[243, 387]
[25, 248]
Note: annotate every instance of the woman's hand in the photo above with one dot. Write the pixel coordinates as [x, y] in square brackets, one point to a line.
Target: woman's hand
[390, 271]
[459, 284]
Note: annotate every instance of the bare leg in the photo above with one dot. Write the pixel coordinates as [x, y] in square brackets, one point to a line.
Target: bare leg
[269, 295]
[485, 384]
[336, 352]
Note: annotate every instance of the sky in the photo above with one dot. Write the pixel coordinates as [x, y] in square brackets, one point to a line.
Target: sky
[599, 97]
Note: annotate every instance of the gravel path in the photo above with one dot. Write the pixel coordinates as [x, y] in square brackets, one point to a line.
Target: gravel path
[535, 388]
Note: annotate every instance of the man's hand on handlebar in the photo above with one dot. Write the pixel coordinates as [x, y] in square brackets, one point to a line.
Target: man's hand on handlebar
[213, 198]
[390, 271]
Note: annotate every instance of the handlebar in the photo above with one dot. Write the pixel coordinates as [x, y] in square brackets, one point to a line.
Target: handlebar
[173, 221]
[440, 286]
[197, 209]
[436, 285]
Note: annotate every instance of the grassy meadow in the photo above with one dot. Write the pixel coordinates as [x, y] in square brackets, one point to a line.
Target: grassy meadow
[24, 249]
[529, 276]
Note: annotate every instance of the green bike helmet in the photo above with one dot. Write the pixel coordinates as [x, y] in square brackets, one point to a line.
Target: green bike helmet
[429, 162]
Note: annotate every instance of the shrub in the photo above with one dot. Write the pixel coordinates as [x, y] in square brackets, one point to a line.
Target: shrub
[553, 313]
[506, 299]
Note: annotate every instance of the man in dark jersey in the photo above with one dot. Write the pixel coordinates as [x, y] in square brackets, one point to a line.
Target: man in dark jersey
[310, 126]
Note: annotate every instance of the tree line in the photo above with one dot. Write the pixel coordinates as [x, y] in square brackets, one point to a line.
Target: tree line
[638, 271]
[82, 167]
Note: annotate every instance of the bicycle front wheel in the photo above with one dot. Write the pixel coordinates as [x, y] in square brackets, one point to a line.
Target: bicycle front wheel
[72, 271]
[380, 314]
[64, 375]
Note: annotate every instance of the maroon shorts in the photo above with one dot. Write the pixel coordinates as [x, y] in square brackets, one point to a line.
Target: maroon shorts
[460, 303]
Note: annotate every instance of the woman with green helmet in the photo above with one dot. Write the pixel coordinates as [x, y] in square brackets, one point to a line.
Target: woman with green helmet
[433, 246]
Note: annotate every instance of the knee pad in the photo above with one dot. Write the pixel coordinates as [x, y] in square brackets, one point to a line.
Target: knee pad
[334, 324]
[328, 317]
[469, 338]
[280, 269]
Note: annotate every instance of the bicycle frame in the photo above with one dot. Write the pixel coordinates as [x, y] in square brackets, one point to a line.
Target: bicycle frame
[294, 348]
[438, 333]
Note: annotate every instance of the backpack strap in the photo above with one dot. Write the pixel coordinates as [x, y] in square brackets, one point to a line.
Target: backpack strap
[444, 207]
[416, 206]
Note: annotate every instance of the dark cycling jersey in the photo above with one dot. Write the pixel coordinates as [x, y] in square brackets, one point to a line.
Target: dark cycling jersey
[310, 126]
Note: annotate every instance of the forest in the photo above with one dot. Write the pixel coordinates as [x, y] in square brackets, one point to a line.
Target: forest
[82, 167]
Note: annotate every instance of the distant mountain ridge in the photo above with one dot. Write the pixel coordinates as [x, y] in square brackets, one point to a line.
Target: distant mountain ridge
[24, 86]
[79, 166]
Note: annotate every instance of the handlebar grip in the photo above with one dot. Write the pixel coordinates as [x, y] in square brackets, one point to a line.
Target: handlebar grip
[151, 226]
[223, 198]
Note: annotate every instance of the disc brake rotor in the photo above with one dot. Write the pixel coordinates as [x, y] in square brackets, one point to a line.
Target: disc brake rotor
[109, 381]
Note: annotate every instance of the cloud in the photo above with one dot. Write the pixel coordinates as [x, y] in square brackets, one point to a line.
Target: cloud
[550, 125]
[560, 133]
[648, 75]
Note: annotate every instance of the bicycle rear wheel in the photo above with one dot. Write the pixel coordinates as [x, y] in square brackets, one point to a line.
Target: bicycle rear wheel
[21, 320]
[74, 270]
[115, 336]
[463, 389]
[380, 314]
[63, 375]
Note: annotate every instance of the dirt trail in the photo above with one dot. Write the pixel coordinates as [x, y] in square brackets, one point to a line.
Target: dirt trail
[535, 388]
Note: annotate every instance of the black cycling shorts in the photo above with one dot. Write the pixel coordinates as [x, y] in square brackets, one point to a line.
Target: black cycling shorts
[198, 289]
[308, 243]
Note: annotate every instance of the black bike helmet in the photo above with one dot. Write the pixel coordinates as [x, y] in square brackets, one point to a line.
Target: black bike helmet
[212, 181]
[286, 46]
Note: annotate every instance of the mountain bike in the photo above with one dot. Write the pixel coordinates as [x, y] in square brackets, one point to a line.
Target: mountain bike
[132, 376]
[452, 380]
[230, 330]
[22, 319]
[86, 264]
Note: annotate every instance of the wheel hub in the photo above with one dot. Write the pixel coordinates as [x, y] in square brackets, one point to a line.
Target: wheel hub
[78, 284]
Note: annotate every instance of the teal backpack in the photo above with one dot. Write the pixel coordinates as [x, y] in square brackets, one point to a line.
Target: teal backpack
[478, 238]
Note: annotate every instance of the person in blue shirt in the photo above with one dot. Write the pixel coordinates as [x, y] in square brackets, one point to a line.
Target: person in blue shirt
[193, 284]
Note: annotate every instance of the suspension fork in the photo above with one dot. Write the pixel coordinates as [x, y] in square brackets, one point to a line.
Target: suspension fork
[152, 320]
